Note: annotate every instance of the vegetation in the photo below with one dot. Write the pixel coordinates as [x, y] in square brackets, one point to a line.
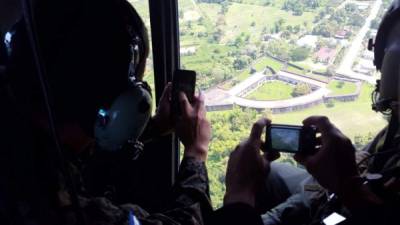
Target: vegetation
[230, 127]
[234, 38]
[274, 90]
[301, 89]
[299, 53]
[341, 87]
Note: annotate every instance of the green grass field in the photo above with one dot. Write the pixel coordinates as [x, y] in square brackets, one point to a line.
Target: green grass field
[240, 17]
[275, 90]
[339, 88]
[266, 61]
[295, 70]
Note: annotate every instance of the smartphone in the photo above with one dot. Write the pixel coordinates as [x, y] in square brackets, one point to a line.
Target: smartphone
[290, 138]
[183, 81]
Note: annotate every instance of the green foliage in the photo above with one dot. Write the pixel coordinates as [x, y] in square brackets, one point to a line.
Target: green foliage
[241, 62]
[326, 29]
[279, 48]
[301, 89]
[330, 103]
[298, 6]
[299, 53]
[342, 87]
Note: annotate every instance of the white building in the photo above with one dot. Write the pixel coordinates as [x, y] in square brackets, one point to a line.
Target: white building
[188, 50]
[308, 41]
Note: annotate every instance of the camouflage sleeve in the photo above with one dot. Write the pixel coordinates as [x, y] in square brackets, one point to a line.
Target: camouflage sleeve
[190, 203]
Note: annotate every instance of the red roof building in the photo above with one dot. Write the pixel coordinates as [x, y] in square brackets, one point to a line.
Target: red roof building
[325, 55]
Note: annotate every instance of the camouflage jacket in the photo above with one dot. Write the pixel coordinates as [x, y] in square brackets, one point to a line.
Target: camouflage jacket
[190, 203]
[311, 206]
[369, 165]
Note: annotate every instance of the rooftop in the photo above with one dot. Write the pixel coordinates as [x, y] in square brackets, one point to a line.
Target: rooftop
[325, 54]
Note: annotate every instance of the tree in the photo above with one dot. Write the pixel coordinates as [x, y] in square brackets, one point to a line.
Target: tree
[374, 24]
[301, 89]
[350, 7]
[241, 62]
[298, 11]
[279, 48]
[327, 29]
[217, 35]
[299, 53]
[330, 103]
[356, 20]
[330, 71]
[340, 84]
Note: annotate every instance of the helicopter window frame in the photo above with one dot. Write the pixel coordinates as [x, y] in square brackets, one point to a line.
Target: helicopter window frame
[166, 59]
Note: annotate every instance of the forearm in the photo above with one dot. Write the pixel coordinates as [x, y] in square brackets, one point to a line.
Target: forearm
[192, 186]
[192, 177]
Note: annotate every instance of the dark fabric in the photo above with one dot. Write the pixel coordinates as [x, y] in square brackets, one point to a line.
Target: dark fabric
[386, 214]
[3, 50]
[189, 203]
[236, 214]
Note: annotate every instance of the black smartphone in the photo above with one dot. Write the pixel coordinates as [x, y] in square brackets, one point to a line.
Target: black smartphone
[291, 138]
[183, 81]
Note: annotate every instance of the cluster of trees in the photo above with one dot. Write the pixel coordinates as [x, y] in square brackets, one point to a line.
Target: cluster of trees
[326, 29]
[286, 51]
[299, 53]
[350, 15]
[301, 89]
[299, 6]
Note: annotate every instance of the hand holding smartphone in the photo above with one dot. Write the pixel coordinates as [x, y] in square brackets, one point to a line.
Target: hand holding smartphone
[183, 81]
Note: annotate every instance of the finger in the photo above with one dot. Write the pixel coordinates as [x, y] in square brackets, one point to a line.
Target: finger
[263, 146]
[199, 102]
[258, 128]
[322, 123]
[184, 103]
[272, 155]
[318, 141]
[167, 92]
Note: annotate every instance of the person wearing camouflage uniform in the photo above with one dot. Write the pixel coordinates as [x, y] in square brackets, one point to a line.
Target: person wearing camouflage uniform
[85, 45]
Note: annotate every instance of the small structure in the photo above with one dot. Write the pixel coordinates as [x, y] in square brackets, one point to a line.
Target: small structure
[191, 15]
[188, 50]
[325, 55]
[342, 34]
[308, 41]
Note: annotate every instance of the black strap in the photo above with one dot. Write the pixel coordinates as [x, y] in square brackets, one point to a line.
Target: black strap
[390, 141]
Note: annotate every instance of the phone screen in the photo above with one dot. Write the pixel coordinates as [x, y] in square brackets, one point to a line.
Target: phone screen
[285, 139]
[183, 81]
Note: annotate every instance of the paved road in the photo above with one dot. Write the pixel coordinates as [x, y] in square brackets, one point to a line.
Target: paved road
[346, 65]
